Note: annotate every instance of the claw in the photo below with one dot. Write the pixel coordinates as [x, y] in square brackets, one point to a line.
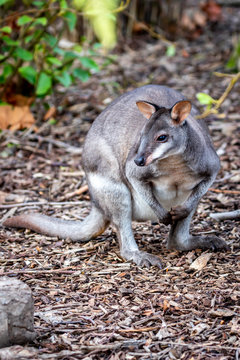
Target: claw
[142, 258]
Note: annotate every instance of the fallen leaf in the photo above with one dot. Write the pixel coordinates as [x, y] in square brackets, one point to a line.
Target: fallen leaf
[50, 113]
[199, 328]
[235, 326]
[19, 100]
[213, 10]
[15, 117]
[148, 312]
[201, 261]
[49, 317]
[163, 333]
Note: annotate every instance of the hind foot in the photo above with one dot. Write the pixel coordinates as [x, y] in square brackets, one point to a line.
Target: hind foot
[142, 258]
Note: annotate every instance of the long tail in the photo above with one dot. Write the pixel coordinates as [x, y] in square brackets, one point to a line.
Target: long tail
[93, 225]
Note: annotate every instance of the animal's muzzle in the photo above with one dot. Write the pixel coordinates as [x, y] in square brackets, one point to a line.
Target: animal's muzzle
[140, 161]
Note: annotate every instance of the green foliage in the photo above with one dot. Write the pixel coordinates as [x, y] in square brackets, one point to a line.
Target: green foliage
[102, 17]
[30, 50]
[234, 61]
[205, 99]
[171, 50]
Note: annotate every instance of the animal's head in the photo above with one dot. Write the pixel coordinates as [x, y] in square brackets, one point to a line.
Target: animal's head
[164, 133]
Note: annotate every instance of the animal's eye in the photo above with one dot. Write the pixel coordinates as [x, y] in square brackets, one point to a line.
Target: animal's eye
[162, 138]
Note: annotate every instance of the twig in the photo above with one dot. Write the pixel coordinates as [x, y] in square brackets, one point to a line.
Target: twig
[66, 270]
[227, 177]
[61, 144]
[196, 346]
[218, 103]
[116, 345]
[122, 6]
[79, 191]
[230, 192]
[145, 329]
[229, 215]
[51, 203]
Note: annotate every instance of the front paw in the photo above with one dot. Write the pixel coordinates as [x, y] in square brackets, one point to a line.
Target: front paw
[142, 258]
[166, 219]
[179, 213]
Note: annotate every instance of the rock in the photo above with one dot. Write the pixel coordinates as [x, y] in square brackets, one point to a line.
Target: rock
[16, 312]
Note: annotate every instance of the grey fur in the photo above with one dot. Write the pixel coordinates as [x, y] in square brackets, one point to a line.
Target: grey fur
[167, 189]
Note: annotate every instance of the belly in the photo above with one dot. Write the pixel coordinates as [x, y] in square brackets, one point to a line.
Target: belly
[168, 195]
[141, 211]
[171, 196]
[175, 193]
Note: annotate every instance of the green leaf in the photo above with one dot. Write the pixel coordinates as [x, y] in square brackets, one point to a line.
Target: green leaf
[41, 21]
[89, 63]
[23, 54]
[65, 79]
[71, 19]
[171, 50]
[53, 60]
[78, 48]
[7, 71]
[81, 74]
[28, 73]
[28, 38]
[38, 3]
[25, 19]
[50, 40]
[9, 41]
[44, 84]
[63, 4]
[2, 2]
[205, 99]
[232, 63]
[6, 29]
[52, 121]
[70, 55]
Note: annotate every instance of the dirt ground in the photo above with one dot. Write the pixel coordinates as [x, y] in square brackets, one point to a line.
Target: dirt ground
[89, 303]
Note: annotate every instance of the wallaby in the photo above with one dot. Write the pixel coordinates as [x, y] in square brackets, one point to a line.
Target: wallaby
[146, 158]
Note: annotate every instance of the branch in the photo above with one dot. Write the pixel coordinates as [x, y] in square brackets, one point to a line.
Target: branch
[218, 103]
[230, 215]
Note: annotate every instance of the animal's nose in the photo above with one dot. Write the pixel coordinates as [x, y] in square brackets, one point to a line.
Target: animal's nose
[140, 161]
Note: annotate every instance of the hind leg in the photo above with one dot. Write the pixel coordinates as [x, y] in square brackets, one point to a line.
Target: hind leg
[115, 201]
[181, 239]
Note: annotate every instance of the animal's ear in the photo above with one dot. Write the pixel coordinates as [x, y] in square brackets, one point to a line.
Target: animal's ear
[180, 111]
[146, 108]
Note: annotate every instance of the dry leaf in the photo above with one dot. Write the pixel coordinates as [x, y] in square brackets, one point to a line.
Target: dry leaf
[18, 99]
[148, 312]
[235, 326]
[49, 316]
[199, 328]
[201, 261]
[15, 117]
[213, 10]
[163, 333]
[50, 113]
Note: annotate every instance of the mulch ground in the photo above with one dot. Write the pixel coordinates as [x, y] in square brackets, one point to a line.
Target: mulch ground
[89, 303]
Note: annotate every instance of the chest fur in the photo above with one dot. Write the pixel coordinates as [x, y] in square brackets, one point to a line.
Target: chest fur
[174, 183]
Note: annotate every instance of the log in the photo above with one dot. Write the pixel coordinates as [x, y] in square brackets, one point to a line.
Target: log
[16, 312]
